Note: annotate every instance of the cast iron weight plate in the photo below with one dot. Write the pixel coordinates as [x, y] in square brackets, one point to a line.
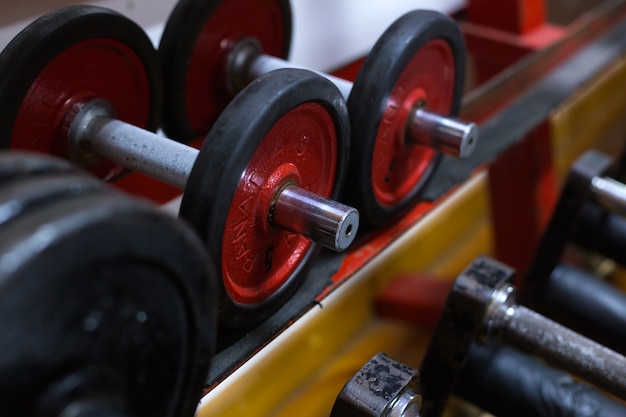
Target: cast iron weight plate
[103, 300]
[71, 55]
[27, 183]
[287, 126]
[12, 167]
[419, 57]
[197, 38]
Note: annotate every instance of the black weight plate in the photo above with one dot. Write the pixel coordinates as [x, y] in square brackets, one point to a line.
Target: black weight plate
[18, 165]
[373, 95]
[111, 293]
[68, 56]
[233, 151]
[30, 193]
[28, 182]
[193, 52]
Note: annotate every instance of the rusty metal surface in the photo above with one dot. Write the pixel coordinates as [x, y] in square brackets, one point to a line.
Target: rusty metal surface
[376, 388]
[558, 345]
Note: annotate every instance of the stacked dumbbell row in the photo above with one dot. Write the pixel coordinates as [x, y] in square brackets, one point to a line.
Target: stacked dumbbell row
[475, 352]
[31, 189]
[84, 83]
[265, 177]
[292, 135]
[483, 345]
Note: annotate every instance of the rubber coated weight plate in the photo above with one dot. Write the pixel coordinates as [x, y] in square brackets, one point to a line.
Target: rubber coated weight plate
[103, 299]
[18, 165]
[420, 57]
[27, 181]
[194, 48]
[69, 56]
[290, 125]
[31, 193]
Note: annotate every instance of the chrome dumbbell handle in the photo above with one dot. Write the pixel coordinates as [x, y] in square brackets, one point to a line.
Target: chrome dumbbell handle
[609, 193]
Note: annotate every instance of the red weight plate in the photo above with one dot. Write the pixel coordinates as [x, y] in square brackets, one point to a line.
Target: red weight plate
[399, 167]
[289, 126]
[67, 57]
[421, 56]
[97, 68]
[194, 50]
[258, 259]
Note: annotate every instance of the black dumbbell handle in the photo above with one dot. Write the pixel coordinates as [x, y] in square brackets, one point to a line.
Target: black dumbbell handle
[508, 383]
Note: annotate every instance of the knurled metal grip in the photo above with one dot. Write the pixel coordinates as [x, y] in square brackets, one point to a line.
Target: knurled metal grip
[562, 347]
[481, 308]
[383, 387]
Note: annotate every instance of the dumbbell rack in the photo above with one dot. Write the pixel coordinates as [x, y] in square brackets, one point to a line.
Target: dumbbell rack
[298, 365]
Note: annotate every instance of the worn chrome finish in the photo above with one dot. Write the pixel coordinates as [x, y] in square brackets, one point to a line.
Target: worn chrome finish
[611, 194]
[327, 222]
[516, 325]
[406, 405]
[446, 134]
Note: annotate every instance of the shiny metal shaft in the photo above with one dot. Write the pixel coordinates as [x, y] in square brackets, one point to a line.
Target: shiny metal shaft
[447, 134]
[324, 221]
[611, 194]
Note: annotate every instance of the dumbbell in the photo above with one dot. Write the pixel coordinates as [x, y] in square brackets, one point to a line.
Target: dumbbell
[260, 191]
[413, 76]
[481, 309]
[587, 214]
[499, 380]
[107, 305]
